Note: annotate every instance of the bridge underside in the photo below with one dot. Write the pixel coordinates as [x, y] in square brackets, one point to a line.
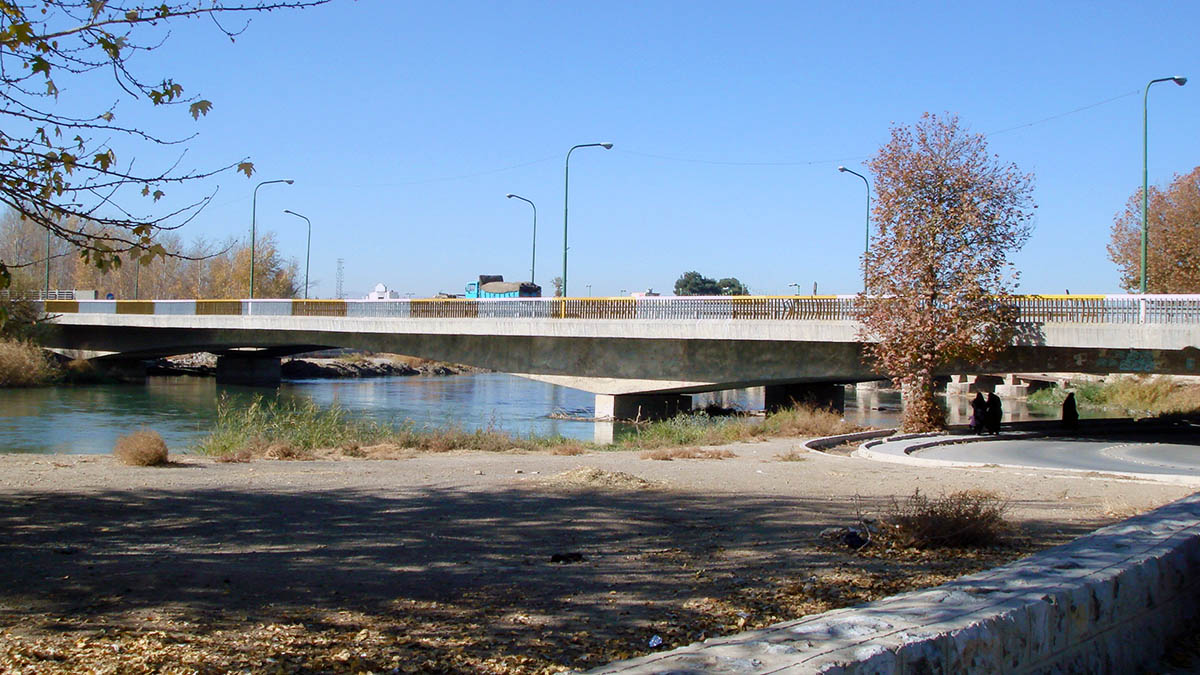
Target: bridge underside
[603, 365]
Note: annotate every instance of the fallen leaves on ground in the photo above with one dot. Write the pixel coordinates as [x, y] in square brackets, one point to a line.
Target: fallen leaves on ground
[498, 630]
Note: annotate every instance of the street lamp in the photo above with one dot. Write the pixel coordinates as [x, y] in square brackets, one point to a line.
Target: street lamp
[1145, 182]
[533, 259]
[253, 213]
[46, 291]
[307, 249]
[867, 247]
[797, 287]
[566, 193]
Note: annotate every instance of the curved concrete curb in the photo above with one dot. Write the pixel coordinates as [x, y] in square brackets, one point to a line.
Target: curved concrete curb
[1107, 602]
[900, 449]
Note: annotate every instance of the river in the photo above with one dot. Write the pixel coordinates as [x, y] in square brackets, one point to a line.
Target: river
[88, 419]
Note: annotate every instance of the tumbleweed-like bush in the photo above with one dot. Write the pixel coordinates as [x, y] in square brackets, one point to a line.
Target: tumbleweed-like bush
[141, 448]
[971, 518]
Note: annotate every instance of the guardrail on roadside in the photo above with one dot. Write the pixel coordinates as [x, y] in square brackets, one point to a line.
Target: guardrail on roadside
[1099, 309]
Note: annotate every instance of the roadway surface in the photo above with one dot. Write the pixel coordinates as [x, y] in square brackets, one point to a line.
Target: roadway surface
[1170, 453]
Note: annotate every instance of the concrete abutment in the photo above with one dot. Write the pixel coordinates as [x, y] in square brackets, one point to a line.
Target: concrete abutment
[641, 406]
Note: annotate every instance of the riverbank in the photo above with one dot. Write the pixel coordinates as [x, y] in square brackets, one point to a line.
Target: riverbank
[482, 562]
[204, 364]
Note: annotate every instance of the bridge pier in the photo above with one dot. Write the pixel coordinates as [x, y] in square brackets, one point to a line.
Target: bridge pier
[819, 394]
[247, 369]
[961, 385]
[641, 406]
[1012, 388]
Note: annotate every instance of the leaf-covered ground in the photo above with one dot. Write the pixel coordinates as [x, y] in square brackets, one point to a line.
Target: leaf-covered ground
[462, 563]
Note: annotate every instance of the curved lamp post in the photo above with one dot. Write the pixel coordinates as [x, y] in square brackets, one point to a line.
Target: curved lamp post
[1145, 182]
[566, 193]
[253, 213]
[867, 247]
[307, 249]
[533, 259]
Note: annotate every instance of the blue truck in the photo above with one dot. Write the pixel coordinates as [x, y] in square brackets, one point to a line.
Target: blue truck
[494, 286]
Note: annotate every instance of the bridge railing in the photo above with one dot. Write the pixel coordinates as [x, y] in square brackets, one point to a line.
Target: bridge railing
[1108, 309]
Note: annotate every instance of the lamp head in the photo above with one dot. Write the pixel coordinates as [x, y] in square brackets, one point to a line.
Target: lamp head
[606, 146]
[842, 169]
[510, 195]
[289, 181]
[1179, 80]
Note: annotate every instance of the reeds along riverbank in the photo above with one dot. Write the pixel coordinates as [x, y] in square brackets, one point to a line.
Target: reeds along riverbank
[284, 429]
[1137, 395]
[24, 364]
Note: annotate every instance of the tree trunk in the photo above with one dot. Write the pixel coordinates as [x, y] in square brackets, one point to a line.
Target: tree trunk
[921, 410]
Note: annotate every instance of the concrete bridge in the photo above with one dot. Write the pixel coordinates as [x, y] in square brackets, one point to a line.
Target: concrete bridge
[640, 356]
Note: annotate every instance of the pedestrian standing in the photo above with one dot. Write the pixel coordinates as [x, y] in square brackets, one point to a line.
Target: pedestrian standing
[1070, 414]
[978, 413]
[995, 413]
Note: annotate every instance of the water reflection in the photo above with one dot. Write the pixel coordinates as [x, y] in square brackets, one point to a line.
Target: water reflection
[89, 419]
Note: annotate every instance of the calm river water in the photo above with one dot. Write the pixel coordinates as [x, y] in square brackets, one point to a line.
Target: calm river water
[88, 419]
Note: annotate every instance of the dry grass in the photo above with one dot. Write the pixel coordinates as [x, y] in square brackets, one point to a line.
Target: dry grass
[701, 429]
[591, 477]
[666, 455]
[971, 518]
[805, 421]
[285, 451]
[568, 449]
[792, 456]
[141, 448]
[1135, 394]
[1120, 509]
[24, 364]
[238, 457]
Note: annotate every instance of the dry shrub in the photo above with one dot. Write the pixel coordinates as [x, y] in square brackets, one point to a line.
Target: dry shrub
[803, 420]
[24, 364]
[687, 453]
[567, 449]
[971, 518]
[285, 451]
[238, 457]
[141, 448]
[792, 456]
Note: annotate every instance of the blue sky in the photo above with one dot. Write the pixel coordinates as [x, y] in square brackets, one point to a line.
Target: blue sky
[404, 124]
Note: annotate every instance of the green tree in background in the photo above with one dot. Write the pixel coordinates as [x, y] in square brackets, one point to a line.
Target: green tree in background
[694, 283]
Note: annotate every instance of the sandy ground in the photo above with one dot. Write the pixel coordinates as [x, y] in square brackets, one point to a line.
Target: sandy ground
[465, 562]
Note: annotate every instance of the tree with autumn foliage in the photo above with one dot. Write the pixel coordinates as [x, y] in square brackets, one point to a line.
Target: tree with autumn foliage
[72, 171]
[1173, 241]
[948, 215]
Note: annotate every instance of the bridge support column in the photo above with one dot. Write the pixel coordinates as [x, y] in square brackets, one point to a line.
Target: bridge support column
[1012, 388]
[641, 406]
[254, 371]
[818, 394]
[961, 385]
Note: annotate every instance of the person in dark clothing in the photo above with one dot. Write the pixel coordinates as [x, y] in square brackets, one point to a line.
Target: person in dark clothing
[995, 413]
[1070, 414]
[978, 413]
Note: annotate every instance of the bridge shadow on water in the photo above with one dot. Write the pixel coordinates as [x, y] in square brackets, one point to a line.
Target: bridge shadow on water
[209, 552]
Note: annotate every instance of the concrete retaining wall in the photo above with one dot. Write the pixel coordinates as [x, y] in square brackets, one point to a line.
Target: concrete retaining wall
[1106, 603]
